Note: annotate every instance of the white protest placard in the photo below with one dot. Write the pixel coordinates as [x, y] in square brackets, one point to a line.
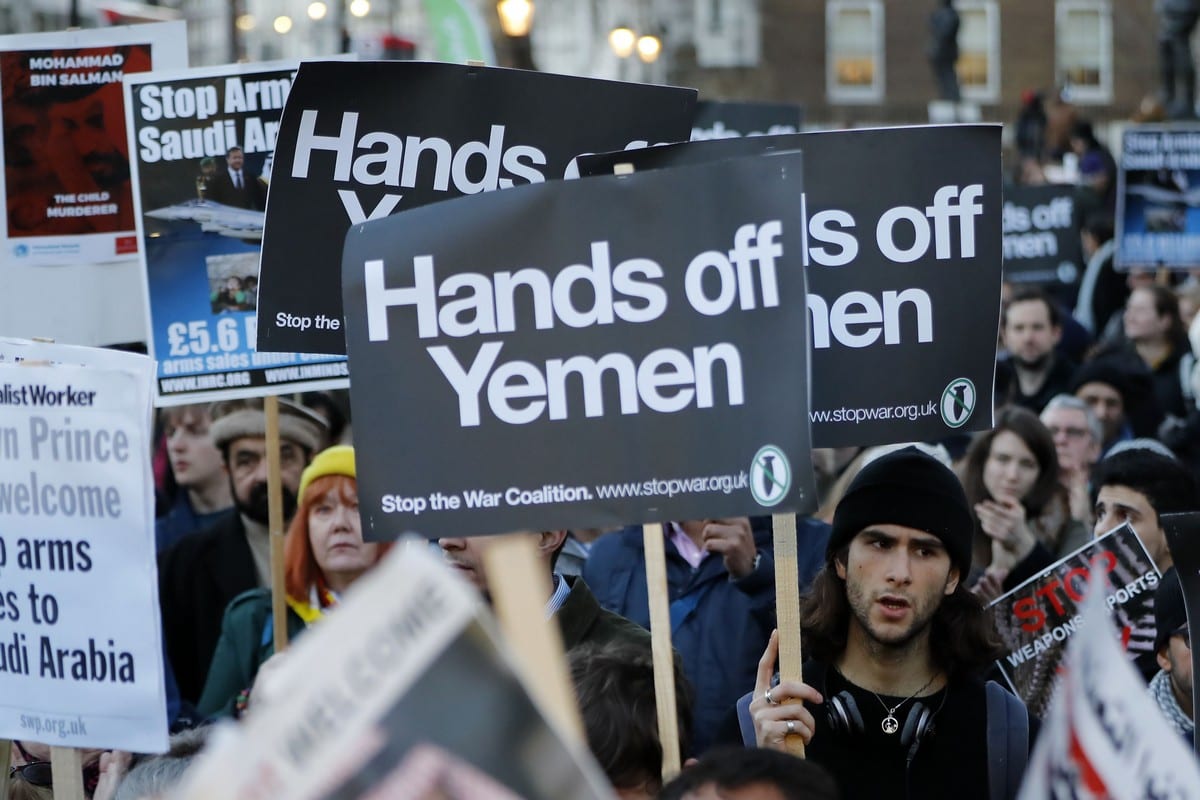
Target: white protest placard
[400, 692]
[14, 350]
[80, 642]
[1103, 736]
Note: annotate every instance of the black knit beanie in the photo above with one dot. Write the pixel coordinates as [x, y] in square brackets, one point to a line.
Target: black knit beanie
[912, 489]
[1170, 614]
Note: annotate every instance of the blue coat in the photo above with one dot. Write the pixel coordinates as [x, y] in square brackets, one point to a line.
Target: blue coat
[720, 627]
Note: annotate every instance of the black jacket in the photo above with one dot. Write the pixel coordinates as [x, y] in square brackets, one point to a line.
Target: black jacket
[197, 578]
[949, 762]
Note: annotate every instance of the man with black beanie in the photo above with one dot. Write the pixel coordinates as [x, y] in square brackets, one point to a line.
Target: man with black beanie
[892, 702]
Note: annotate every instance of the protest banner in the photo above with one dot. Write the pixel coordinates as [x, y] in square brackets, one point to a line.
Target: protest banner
[1183, 540]
[18, 351]
[903, 280]
[201, 233]
[658, 360]
[360, 141]
[1103, 738]
[361, 707]
[724, 119]
[1037, 620]
[1158, 198]
[76, 502]
[66, 181]
[649, 368]
[1041, 235]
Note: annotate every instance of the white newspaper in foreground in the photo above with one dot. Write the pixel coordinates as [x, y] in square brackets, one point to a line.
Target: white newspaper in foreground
[1103, 736]
[400, 693]
[80, 638]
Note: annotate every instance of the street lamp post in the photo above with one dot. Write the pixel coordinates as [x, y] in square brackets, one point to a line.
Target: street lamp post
[624, 42]
[516, 20]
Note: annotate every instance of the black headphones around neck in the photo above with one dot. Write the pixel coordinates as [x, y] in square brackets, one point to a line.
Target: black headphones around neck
[846, 720]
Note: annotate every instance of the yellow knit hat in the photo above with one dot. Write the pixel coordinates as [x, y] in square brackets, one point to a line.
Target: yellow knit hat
[336, 460]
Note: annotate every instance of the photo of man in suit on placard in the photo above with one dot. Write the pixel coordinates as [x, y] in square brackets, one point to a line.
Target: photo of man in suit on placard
[233, 186]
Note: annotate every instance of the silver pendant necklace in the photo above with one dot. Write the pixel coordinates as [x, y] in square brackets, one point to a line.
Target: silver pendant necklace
[890, 724]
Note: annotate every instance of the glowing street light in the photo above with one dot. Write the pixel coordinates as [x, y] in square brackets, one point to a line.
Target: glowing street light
[516, 16]
[360, 8]
[246, 22]
[622, 41]
[317, 10]
[648, 48]
[283, 24]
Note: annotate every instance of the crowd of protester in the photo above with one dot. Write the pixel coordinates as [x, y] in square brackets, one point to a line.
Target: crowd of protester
[1097, 423]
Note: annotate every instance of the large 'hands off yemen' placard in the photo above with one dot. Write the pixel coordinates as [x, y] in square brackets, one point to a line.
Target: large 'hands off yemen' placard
[362, 140]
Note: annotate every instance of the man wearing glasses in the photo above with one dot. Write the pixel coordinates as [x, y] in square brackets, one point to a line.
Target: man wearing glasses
[1077, 436]
[1171, 687]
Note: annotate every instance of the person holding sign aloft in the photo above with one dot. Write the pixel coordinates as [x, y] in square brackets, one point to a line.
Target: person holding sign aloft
[892, 705]
[324, 554]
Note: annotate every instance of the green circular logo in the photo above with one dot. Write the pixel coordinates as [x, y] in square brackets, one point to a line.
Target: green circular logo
[958, 402]
[770, 475]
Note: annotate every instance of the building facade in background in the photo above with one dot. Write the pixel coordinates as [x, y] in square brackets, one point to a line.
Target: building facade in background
[848, 62]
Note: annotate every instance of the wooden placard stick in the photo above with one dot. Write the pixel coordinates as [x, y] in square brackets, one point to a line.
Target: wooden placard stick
[1163, 277]
[5, 763]
[654, 545]
[275, 522]
[66, 770]
[787, 610]
[520, 586]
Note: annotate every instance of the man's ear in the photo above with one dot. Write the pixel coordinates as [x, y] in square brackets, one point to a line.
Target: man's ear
[840, 567]
[952, 581]
[1163, 661]
[549, 542]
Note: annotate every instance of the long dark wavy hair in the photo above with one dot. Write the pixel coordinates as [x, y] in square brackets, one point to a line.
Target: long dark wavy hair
[962, 638]
[1036, 436]
[1029, 429]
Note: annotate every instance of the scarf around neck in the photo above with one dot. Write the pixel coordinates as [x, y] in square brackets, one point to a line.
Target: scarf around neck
[1164, 697]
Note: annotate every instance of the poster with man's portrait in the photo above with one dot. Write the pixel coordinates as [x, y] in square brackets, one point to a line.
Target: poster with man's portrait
[66, 181]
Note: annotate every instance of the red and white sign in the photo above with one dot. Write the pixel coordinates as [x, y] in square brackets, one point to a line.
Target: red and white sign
[1103, 736]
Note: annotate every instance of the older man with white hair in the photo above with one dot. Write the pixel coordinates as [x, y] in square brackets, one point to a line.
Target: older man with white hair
[1078, 435]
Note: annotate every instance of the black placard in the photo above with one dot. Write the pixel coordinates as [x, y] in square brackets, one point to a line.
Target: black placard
[1041, 235]
[362, 140]
[902, 246]
[724, 119]
[687, 318]
[1183, 540]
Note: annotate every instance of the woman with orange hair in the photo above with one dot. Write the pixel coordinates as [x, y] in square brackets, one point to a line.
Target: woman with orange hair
[323, 555]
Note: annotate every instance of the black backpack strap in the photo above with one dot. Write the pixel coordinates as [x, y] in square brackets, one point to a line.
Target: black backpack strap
[745, 720]
[1007, 741]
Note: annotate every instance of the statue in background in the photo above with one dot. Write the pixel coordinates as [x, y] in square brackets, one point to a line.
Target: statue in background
[943, 49]
[1176, 21]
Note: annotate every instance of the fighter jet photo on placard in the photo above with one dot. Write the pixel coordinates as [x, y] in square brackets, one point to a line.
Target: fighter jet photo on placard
[240, 223]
